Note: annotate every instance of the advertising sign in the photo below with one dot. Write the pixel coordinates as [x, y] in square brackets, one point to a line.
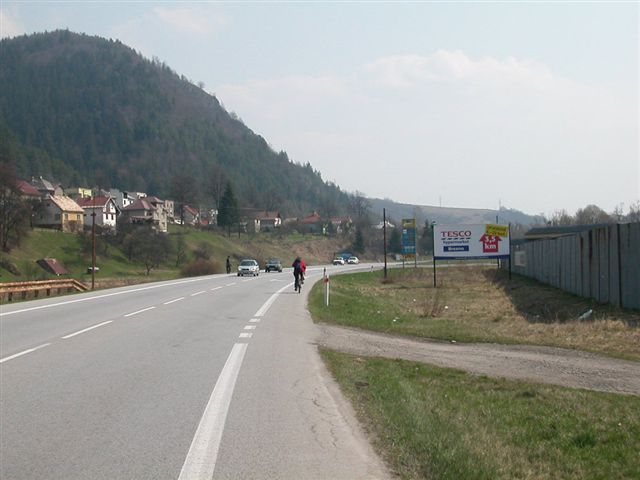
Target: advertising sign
[409, 237]
[470, 241]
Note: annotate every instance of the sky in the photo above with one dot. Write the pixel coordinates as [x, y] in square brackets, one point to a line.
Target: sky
[526, 105]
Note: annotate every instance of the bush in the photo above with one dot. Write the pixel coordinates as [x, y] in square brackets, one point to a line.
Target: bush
[201, 267]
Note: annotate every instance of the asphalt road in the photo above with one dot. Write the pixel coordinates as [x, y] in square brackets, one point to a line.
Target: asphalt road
[212, 377]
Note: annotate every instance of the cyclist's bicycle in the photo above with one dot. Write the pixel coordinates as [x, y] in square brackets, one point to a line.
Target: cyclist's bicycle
[297, 285]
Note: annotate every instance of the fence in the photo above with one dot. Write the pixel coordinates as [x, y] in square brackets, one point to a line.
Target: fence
[9, 290]
[602, 263]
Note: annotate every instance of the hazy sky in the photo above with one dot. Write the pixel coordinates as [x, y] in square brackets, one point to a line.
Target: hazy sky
[532, 104]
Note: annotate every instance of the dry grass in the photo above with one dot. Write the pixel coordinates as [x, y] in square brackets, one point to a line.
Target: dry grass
[482, 304]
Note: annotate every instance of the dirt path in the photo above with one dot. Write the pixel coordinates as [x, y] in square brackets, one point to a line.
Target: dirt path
[569, 368]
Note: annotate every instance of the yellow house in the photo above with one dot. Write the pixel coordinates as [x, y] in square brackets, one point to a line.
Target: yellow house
[59, 212]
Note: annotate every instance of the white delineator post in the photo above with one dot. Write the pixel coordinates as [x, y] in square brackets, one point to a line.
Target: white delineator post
[325, 279]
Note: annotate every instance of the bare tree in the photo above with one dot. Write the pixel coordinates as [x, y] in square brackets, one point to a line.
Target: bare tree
[634, 212]
[560, 218]
[359, 207]
[591, 214]
[183, 191]
[14, 211]
[217, 182]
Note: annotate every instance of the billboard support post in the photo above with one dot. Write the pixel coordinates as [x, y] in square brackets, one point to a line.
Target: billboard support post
[433, 238]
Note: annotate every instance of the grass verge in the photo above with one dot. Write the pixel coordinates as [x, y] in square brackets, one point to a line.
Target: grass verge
[476, 304]
[429, 422]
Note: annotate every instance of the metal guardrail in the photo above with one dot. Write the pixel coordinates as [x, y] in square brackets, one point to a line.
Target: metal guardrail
[9, 290]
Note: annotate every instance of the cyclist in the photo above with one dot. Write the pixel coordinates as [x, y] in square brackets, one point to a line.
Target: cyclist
[299, 268]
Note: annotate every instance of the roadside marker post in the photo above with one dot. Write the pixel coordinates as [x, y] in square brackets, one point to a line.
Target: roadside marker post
[325, 279]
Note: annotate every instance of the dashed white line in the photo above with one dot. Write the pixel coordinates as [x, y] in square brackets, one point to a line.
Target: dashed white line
[216, 288]
[139, 311]
[245, 335]
[203, 453]
[254, 320]
[173, 301]
[230, 284]
[86, 329]
[16, 355]
[197, 293]
[249, 327]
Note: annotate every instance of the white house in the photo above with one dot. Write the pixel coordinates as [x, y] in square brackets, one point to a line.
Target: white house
[105, 209]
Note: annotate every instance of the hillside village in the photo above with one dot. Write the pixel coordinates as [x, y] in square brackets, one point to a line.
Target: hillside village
[72, 209]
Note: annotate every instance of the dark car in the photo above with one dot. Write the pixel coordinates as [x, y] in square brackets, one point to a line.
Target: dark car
[273, 265]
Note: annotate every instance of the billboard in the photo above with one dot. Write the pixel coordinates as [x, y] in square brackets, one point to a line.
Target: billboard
[470, 241]
[409, 237]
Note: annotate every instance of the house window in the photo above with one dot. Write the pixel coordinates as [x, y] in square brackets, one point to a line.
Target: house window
[57, 216]
[66, 216]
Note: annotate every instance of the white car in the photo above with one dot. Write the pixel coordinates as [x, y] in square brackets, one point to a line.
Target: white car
[248, 267]
[338, 261]
[353, 260]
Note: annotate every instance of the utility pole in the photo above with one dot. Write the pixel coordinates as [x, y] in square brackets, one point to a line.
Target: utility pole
[93, 244]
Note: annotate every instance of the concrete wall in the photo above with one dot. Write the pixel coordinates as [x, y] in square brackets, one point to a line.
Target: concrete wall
[602, 263]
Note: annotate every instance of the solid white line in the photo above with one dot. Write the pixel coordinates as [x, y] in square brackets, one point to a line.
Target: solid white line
[86, 329]
[197, 293]
[245, 335]
[139, 311]
[249, 327]
[263, 309]
[2, 360]
[203, 453]
[173, 301]
[216, 288]
[101, 296]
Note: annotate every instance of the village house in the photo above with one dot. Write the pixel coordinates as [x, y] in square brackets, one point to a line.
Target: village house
[269, 220]
[191, 215]
[105, 209]
[147, 211]
[78, 192]
[59, 212]
[312, 223]
[45, 187]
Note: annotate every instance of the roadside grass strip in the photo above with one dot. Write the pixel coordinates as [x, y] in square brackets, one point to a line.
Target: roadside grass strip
[475, 304]
[430, 422]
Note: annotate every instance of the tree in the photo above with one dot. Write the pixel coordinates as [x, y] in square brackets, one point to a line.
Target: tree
[15, 213]
[149, 248]
[216, 183]
[228, 214]
[358, 243]
[183, 191]
[591, 214]
[426, 237]
[359, 207]
[634, 212]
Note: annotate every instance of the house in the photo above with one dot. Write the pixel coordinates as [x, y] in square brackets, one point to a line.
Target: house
[122, 199]
[269, 220]
[191, 215]
[105, 209]
[340, 224]
[27, 191]
[78, 192]
[45, 187]
[147, 211]
[380, 225]
[313, 223]
[59, 212]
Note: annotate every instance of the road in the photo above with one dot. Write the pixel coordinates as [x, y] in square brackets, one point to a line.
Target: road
[211, 377]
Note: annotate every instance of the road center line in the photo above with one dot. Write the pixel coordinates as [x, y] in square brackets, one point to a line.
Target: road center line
[86, 329]
[197, 293]
[173, 301]
[16, 355]
[139, 311]
[203, 453]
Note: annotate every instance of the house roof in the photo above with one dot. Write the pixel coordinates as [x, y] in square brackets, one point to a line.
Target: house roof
[42, 184]
[66, 204]
[140, 204]
[313, 218]
[266, 215]
[27, 189]
[53, 266]
[94, 202]
[192, 211]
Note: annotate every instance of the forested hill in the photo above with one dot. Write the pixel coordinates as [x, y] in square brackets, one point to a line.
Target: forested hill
[86, 111]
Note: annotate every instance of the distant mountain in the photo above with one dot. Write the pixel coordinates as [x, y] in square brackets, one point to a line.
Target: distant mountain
[398, 211]
[86, 111]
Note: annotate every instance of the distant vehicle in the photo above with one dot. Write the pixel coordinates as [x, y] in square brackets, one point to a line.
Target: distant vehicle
[338, 261]
[273, 265]
[353, 260]
[248, 267]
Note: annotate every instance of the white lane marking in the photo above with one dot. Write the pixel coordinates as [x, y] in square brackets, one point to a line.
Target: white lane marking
[245, 335]
[250, 279]
[16, 355]
[197, 293]
[101, 296]
[173, 301]
[254, 320]
[263, 309]
[216, 288]
[86, 329]
[203, 453]
[230, 284]
[276, 280]
[139, 311]
[249, 327]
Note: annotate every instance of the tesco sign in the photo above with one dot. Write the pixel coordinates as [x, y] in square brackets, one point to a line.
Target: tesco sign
[470, 241]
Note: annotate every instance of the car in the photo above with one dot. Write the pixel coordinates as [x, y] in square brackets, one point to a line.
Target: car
[338, 261]
[248, 266]
[273, 265]
[353, 260]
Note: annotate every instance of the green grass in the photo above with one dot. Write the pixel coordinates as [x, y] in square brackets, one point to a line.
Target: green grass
[429, 422]
[475, 304]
